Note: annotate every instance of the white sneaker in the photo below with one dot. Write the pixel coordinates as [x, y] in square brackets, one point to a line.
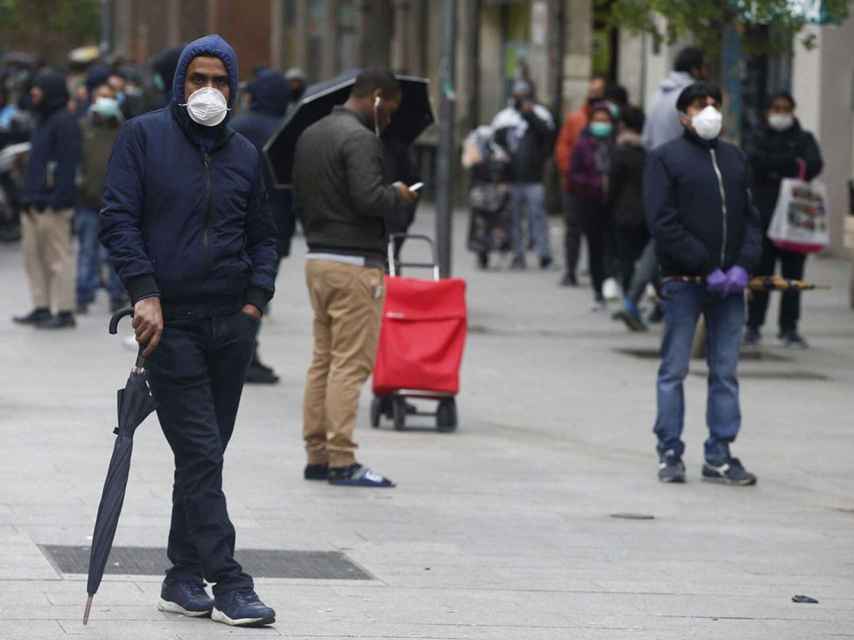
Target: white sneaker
[611, 290]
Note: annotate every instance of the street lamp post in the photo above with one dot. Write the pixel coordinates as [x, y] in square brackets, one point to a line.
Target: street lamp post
[444, 169]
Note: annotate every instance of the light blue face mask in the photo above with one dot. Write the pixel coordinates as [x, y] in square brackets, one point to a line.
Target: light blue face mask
[601, 129]
[157, 80]
[107, 108]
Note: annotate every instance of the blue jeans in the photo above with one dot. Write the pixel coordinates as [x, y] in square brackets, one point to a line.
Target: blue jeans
[683, 305]
[533, 196]
[89, 259]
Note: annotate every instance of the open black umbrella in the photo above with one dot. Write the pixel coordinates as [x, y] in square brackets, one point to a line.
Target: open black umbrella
[413, 117]
[135, 404]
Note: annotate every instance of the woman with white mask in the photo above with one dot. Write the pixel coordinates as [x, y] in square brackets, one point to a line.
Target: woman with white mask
[781, 149]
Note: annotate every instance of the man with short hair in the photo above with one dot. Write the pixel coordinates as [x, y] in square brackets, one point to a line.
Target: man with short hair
[188, 228]
[571, 130]
[706, 229]
[341, 193]
[525, 130]
[47, 205]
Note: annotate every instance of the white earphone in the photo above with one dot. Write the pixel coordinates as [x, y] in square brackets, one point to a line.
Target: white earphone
[377, 102]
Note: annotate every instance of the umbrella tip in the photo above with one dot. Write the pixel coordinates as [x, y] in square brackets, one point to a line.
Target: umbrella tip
[87, 610]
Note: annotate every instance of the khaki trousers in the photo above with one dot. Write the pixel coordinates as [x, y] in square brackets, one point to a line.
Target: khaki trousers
[48, 258]
[347, 301]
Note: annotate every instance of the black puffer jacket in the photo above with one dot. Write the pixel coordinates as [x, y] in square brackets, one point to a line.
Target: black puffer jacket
[340, 188]
[773, 156]
[699, 207]
[625, 183]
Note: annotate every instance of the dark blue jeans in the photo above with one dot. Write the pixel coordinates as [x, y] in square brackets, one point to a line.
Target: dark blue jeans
[196, 375]
[89, 259]
[683, 305]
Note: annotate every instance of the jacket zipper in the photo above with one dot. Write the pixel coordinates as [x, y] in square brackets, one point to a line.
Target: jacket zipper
[206, 159]
[723, 206]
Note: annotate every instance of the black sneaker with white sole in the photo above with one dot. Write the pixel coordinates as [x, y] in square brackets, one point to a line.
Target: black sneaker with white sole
[185, 597]
[242, 609]
[730, 472]
[671, 469]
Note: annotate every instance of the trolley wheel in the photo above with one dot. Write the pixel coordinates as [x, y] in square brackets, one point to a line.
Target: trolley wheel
[376, 411]
[399, 412]
[446, 415]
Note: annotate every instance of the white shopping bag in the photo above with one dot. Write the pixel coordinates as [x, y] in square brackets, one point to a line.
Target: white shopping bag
[801, 219]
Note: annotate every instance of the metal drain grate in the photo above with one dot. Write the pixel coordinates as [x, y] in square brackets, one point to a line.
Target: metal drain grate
[260, 563]
[655, 354]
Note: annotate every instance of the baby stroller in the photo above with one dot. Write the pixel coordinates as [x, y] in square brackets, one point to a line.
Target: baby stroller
[489, 194]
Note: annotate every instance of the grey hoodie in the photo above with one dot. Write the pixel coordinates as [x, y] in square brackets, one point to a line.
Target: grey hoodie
[662, 122]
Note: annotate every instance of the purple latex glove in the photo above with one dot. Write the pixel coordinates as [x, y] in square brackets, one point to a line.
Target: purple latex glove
[716, 282]
[736, 281]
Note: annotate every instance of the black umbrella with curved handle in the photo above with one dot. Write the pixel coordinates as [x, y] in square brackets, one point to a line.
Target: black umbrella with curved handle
[135, 404]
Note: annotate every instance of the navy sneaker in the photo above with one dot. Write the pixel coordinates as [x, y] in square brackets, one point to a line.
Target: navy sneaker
[357, 476]
[730, 472]
[671, 469]
[186, 597]
[242, 609]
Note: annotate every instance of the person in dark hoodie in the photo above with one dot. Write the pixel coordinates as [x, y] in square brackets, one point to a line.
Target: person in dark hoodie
[269, 98]
[188, 228]
[780, 150]
[163, 73]
[47, 203]
[707, 237]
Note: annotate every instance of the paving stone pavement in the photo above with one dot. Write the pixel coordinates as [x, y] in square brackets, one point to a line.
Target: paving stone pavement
[500, 531]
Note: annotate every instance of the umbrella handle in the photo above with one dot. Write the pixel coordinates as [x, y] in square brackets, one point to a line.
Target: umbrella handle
[116, 317]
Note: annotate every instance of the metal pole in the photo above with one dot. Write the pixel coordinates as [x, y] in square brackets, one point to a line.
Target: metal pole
[106, 44]
[447, 150]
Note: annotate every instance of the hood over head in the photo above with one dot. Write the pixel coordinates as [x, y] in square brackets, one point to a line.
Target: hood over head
[214, 46]
[52, 84]
[270, 94]
[164, 64]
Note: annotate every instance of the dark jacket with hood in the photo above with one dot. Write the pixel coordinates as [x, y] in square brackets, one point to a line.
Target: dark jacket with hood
[55, 149]
[625, 182]
[340, 187]
[185, 212]
[270, 95]
[699, 207]
[528, 138]
[773, 156]
[589, 166]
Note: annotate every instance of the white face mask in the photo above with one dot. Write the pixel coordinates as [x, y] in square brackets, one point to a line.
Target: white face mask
[781, 121]
[207, 106]
[708, 123]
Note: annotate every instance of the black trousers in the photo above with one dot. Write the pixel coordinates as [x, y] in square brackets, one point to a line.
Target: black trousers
[197, 374]
[572, 233]
[592, 216]
[631, 242]
[792, 266]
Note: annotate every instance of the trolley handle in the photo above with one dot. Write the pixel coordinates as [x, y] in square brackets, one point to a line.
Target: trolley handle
[392, 266]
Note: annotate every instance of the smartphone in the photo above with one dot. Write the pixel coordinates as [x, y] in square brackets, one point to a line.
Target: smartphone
[416, 187]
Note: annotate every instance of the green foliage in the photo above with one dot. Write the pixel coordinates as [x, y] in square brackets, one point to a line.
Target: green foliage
[703, 20]
[49, 27]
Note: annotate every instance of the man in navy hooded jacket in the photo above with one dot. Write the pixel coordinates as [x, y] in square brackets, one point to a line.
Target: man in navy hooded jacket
[187, 225]
[706, 229]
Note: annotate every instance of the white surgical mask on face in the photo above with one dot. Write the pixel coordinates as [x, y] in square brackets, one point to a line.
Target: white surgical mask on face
[781, 121]
[708, 123]
[207, 106]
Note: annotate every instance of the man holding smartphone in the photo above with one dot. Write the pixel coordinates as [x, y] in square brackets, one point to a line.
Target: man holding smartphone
[189, 230]
[340, 191]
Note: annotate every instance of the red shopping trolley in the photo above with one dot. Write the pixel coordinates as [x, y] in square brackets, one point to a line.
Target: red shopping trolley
[421, 344]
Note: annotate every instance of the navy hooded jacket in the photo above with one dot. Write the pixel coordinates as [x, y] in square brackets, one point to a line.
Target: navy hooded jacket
[185, 213]
[270, 96]
[55, 149]
[699, 207]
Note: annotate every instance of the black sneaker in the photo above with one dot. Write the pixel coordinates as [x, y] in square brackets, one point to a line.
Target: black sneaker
[632, 321]
[185, 597]
[730, 472]
[242, 609]
[671, 468]
[35, 316]
[316, 472]
[62, 320]
[257, 374]
[569, 280]
[518, 264]
[357, 476]
[752, 337]
[793, 340]
[546, 262]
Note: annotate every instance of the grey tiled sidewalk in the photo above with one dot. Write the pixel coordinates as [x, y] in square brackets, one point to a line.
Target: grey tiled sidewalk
[501, 531]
